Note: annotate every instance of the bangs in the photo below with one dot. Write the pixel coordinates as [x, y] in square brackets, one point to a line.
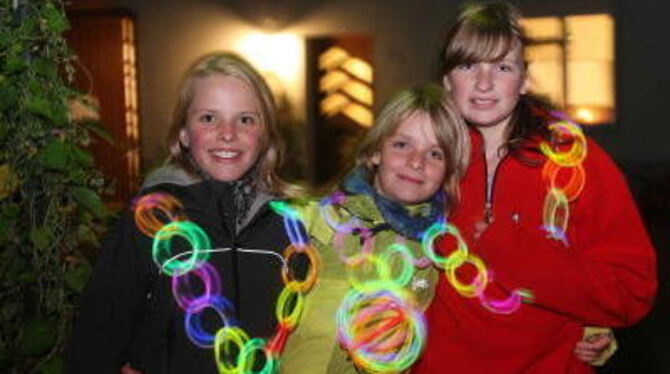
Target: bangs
[483, 34]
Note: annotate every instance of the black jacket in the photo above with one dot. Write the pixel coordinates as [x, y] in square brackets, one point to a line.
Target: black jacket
[128, 312]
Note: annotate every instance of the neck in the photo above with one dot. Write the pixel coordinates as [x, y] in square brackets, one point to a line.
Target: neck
[494, 137]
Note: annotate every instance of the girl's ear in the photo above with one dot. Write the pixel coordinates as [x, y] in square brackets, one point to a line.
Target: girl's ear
[375, 159]
[445, 83]
[525, 85]
[184, 139]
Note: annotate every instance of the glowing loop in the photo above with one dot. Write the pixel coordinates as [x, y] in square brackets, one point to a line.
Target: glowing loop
[382, 331]
[310, 278]
[182, 288]
[162, 247]
[575, 183]
[503, 306]
[228, 344]
[479, 282]
[247, 358]
[193, 316]
[556, 215]
[365, 250]
[290, 305]
[577, 152]
[372, 266]
[345, 228]
[433, 232]
[295, 231]
[148, 205]
[406, 265]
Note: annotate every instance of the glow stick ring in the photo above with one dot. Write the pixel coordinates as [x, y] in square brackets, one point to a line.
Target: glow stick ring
[145, 212]
[286, 315]
[503, 306]
[479, 282]
[556, 215]
[575, 184]
[407, 262]
[577, 152]
[434, 231]
[365, 250]
[193, 324]
[310, 278]
[247, 357]
[162, 247]
[182, 287]
[381, 269]
[336, 198]
[225, 339]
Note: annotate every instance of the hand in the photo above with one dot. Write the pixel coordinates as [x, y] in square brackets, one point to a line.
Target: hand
[126, 369]
[590, 349]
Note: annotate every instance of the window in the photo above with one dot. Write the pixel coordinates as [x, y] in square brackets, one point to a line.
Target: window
[571, 61]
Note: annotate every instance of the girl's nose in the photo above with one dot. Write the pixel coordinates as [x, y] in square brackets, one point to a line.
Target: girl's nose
[484, 80]
[416, 161]
[227, 131]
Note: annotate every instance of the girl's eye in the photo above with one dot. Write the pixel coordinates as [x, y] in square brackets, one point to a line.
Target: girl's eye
[436, 155]
[505, 68]
[207, 118]
[399, 144]
[465, 66]
[248, 120]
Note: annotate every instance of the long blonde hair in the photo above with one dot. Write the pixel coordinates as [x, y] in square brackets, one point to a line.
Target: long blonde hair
[447, 123]
[272, 146]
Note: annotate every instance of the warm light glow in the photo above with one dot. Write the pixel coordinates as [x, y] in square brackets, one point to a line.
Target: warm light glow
[279, 54]
[130, 93]
[359, 69]
[333, 80]
[591, 62]
[333, 104]
[332, 58]
[358, 114]
[587, 91]
[542, 28]
[359, 91]
[584, 115]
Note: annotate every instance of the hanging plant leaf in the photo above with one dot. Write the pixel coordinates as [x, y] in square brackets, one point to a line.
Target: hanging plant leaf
[55, 20]
[41, 237]
[54, 366]
[38, 337]
[39, 106]
[82, 157]
[76, 278]
[55, 156]
[89, 200]
[7, 97]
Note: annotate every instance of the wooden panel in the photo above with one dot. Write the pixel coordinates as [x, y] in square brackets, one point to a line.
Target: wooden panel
[104, 44]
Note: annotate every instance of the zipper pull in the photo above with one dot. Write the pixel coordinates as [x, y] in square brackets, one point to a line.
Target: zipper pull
[488, 212]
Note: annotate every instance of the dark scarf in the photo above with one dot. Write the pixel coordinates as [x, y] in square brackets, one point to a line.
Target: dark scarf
[243, 193]
[394, 213]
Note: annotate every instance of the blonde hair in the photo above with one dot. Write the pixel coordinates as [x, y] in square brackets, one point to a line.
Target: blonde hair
[271, 154]
[447, 123]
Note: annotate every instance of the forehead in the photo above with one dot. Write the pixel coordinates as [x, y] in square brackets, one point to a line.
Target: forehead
[419, 125]
[225, 88]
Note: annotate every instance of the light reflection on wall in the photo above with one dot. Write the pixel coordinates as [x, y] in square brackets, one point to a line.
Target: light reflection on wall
[280, 57]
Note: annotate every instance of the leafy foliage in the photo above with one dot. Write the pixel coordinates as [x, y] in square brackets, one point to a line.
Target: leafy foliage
[49, 190]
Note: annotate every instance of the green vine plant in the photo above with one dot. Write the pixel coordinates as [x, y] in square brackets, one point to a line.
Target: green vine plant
[50, 205]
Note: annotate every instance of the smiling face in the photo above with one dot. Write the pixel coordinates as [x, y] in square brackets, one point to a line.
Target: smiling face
[411, 165]
[223, 127]
[487, 92]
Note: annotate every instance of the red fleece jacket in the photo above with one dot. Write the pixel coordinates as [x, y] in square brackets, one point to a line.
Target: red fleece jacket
[606, 276]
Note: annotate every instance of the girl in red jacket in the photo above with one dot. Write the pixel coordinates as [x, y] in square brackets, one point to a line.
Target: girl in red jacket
[546, 210]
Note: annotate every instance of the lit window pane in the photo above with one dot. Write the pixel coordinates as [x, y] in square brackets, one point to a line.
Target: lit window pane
[542, 28]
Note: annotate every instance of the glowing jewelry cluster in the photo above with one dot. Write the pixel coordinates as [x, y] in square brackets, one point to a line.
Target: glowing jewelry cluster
[556, 211]
[160, 216]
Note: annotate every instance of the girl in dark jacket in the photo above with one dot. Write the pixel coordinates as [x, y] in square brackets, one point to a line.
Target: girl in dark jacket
[224, 153]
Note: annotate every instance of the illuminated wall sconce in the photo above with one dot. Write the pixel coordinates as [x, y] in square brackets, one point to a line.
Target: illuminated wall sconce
[571, 61]
[346, 85]
[340, 100]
